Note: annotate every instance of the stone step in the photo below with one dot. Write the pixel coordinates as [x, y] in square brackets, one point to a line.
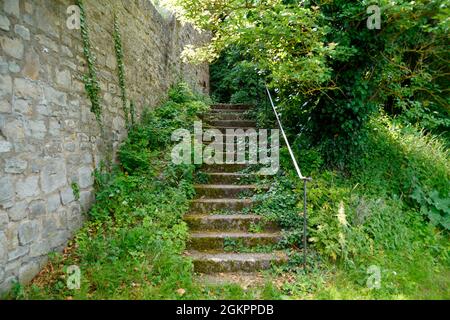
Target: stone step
[238, 156]
[234, 262]
[233, 146]
[217, 240]
[232, 123]
[226, 130]
[231, 139]
[229, 177]
[230, 222]
[224, 167]
[243, 279]
[225, 191]
[207, 206]
[243, 112]
[227, 107]
[226, 115]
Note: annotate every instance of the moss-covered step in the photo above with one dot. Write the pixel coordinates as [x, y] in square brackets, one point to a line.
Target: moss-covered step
[217, 240]
[234, 262]
[224, 129]
[206, 206]
[229, 222]
[228, 115]
[224, 167]
[230, 178]
[226, 191]
[232, 123]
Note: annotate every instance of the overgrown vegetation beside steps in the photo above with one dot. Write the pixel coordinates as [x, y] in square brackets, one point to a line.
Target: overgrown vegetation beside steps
[131, 246]
[372, 217]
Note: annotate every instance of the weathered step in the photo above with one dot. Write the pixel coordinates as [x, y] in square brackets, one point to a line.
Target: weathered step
[243, 279]
[235, 262]
[206, 206]
[230, 141]
[235, 137]
[229, 177]
[226, 115]
[243, 112]
[226, 106]
[217, 240]
[224, 167]
[225, 191]
[230, 222]
[232, 129]
[241, 156]
[233, 145]
[232, 123]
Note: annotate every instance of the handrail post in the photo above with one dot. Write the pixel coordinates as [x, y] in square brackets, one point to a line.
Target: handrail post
[301, 177]
[305, 223]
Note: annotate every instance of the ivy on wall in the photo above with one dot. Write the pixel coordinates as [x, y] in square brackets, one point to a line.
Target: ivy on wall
[132, 112]
[120, 68]
[90, 79]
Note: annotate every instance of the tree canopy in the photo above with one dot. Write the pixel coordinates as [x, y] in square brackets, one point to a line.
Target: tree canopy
[328, 66]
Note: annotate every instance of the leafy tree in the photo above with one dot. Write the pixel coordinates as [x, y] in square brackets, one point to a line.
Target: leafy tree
[331, 72]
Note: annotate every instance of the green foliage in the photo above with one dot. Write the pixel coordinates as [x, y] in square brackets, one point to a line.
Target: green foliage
[181, 109]
[181, 94]
[120, 68]
[391, 212]
[279, 204]
[425, 115]
[75, 190]
[434, 207]
[236, 80]
[132, 113]
[90, 79]
[331, 73]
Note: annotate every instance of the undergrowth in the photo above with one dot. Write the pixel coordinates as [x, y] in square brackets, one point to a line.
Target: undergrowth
[388, 212]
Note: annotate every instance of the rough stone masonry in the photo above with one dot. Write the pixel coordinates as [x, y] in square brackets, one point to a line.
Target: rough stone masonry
[49, 139]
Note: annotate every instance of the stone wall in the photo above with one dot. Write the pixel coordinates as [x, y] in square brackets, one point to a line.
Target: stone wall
[49, 139]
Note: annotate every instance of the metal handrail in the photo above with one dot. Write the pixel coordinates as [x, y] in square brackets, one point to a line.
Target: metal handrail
[299, 173]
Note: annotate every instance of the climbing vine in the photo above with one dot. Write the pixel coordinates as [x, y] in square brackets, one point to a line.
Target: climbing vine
[132, 112]
[90, 79]
[120, 67]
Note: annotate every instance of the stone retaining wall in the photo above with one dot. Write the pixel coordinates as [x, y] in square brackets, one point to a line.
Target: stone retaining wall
[49, 139]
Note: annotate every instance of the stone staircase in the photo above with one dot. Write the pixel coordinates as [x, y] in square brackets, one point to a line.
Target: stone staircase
[221, 213]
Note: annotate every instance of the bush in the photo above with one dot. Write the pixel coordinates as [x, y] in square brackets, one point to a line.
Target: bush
[234, 80]
[154, 132]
